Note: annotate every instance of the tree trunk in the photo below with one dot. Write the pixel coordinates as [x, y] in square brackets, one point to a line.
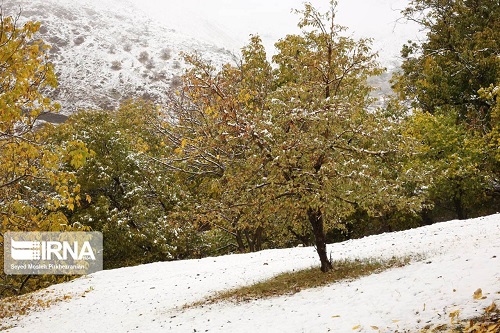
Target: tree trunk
[316, 220]
[459, 205]
[239, 240]
[258, 238]
[459, 208]
[254, 239]
[426, 215]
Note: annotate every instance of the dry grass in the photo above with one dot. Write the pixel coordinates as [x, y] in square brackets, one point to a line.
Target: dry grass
[292, 282]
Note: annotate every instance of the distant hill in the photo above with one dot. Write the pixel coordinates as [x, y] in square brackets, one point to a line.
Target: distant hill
[106, 51]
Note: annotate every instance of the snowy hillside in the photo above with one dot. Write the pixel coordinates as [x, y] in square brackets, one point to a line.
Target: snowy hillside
[109, 50]
[454, 259]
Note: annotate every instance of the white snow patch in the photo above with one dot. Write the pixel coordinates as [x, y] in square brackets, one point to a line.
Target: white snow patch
[460, 256]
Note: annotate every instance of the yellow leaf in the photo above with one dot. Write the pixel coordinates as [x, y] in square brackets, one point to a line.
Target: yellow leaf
[357, 327]
[491, 308]
[454, 315]
[494, 328]
[375, 328]
[184, 143]
[88, 198]
[336, 316]
[478, 294]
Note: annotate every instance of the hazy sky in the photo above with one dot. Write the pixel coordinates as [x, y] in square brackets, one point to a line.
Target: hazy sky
[228, 23]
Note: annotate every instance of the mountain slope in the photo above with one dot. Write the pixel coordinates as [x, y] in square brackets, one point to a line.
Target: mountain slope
[105, 51]
[459, 257]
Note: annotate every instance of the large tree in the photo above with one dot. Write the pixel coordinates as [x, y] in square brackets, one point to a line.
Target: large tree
[292, 148]
[36, 178]
[333, 154]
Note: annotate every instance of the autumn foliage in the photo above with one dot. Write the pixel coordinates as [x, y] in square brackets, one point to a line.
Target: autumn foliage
[263, 152]
[36, 178]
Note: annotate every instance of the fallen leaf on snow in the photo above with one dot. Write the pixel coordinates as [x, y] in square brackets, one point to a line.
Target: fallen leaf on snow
[478, 294]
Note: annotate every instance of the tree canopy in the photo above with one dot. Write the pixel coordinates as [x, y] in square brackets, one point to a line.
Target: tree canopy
[452, 80]
[460, 56]
[36, 178]
[291, 147]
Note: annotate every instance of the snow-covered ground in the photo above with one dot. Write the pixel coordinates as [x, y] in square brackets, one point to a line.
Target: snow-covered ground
[459, 257]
